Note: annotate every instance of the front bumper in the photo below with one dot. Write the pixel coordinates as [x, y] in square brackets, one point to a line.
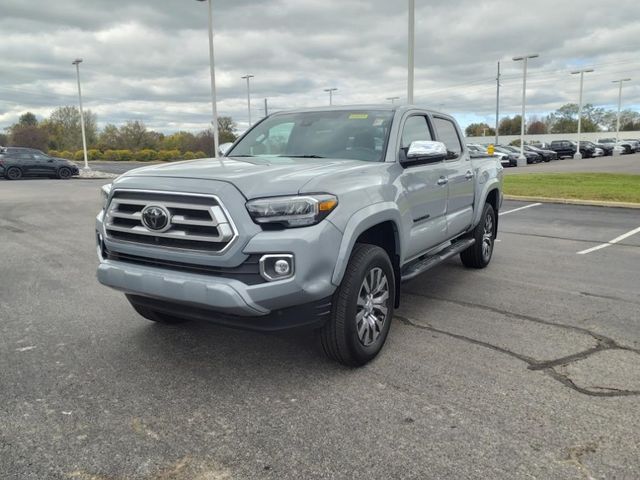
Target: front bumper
[229, 300]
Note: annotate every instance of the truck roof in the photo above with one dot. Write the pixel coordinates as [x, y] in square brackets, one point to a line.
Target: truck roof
[382, 106]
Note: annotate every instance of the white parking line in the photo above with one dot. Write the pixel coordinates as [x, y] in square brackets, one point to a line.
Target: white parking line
[611, 242]
[520, 208]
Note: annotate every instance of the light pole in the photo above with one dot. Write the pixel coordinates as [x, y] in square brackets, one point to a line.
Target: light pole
[578, 155]
[393, 99]
[214, 108]
[522, 160]
[77, 63]
[330, 90]
[497, 102]
[411, 47]
[619, 82]
[247, 77]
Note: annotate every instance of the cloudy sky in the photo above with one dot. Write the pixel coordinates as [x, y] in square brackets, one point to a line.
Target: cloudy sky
[148, 59]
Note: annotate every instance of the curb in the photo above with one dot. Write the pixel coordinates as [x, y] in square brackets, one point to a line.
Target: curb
[572, 201]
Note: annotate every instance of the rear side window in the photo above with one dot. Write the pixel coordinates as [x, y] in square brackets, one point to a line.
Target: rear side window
[448, 134]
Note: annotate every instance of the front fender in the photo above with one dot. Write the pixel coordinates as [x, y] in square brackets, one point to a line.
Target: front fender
[358, 223]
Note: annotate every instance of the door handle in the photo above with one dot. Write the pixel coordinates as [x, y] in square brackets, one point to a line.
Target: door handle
[443, 181]
[468, 175]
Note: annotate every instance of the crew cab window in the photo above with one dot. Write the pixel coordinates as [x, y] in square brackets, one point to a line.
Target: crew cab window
[415, 129]
[448, 135]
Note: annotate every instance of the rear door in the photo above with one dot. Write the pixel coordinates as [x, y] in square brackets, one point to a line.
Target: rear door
[425, 189]
[460, 175]
[45, 164]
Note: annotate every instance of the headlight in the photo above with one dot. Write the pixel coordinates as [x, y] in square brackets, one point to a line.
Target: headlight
[104, 194]
[292, 211]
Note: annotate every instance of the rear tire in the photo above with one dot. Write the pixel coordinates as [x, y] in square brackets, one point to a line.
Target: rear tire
[154, 315]
[479, 254]
[362, 308]
[13, 173]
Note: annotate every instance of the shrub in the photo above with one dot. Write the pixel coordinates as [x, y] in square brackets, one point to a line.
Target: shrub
[168, 155]
[79, 155]
[200, 154]
[94, 154]
[188, 155]
[146, 155]
[54, 153]
[66, 154]
[118, 155]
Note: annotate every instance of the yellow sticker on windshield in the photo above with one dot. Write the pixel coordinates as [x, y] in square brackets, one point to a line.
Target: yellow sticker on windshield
[358, 116]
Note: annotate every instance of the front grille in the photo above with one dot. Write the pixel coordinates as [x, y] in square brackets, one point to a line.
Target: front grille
[195, 222]
[248, 272]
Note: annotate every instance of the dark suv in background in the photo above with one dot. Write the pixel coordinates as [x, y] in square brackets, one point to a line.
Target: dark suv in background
[18, 162]
[567, 148]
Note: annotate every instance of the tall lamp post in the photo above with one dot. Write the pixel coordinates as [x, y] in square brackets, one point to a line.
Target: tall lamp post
[330, 90]
[522, 160]
[619, 82]
[77, 63]
[578, 155]
[247, 77]
[214, 108]
[498, 104]
[411, 47]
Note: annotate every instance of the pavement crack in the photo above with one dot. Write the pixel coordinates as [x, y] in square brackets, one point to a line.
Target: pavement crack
[535, 365]
[519, 356]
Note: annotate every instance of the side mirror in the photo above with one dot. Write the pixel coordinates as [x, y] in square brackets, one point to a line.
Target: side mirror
[224, 148]
[421, 152]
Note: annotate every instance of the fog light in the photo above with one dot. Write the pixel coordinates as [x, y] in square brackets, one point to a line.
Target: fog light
[276, 267]
[282, 267]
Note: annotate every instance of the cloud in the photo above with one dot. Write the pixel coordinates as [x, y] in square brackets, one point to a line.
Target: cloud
[149, 60]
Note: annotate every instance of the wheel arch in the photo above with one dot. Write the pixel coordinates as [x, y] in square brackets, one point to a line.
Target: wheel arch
[375, 225]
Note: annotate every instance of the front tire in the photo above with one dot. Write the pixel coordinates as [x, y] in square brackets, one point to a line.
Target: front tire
[479, 254]
[362, 308]
[64, 173]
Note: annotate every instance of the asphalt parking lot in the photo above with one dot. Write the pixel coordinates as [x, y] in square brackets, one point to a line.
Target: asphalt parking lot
[527, 369]
[614, 164]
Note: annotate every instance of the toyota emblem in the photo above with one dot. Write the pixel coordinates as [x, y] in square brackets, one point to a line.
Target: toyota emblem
[156, 218]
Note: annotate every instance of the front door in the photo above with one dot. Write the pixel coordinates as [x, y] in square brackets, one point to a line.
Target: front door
[425, 187]
[461, 178]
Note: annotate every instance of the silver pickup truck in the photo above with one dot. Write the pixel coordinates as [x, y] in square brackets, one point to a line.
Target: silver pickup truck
[312, 218]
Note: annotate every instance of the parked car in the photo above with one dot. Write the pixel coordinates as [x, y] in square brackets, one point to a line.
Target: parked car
[547, 155]
[595, 149]
[316, 229]
[568, 148]
[18, 162]
[477, 151]
[635, 144]
[532, 157]
[624, 145]
[511, 156]
[607, 148]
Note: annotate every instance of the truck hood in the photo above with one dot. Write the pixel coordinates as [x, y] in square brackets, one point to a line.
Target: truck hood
[255, 176]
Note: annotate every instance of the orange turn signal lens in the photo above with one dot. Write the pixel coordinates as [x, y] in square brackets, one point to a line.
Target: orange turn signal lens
[327, 205]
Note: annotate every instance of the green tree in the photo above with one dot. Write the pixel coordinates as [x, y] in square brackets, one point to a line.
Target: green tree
[65, 131]
[28, 118]
[109, 138]
[536, 127]
[479, 130]
[135, 136]
[510, 126]
[4, 139]
[30, 136]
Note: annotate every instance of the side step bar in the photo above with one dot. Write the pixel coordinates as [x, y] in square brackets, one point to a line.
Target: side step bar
[420, 266]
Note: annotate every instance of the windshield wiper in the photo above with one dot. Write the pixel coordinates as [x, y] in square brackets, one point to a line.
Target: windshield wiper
[302, 156]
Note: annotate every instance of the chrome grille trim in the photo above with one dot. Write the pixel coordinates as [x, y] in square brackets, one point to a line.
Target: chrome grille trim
[201, 223]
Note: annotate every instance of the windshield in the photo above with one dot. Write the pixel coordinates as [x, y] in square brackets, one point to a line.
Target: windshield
[338, 134]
